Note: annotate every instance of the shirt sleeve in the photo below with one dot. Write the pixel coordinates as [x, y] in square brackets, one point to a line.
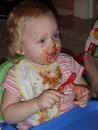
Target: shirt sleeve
[10, 83]
[78, 69]
[70, 65]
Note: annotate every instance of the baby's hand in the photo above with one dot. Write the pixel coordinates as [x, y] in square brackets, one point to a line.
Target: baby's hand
[48, 98]
[82, 96]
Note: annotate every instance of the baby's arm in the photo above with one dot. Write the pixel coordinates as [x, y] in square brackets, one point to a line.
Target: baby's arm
[14, 110]
[82, 92]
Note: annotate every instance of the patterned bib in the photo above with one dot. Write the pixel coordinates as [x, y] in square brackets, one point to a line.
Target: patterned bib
[33, 79]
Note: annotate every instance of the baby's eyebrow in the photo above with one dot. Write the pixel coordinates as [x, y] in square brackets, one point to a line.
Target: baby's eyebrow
[42, 36]
[57, 31]
[35, 37]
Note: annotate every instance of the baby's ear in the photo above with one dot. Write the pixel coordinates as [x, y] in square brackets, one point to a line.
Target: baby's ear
[20, 51]
[19, 48]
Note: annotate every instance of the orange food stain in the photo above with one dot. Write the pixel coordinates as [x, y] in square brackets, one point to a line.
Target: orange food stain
[55, 50]
[52, 80]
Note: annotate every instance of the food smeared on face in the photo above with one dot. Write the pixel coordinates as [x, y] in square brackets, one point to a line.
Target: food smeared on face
[52, 55]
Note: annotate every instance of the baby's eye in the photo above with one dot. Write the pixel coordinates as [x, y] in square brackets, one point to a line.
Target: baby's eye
[56, 35]
[42, 40]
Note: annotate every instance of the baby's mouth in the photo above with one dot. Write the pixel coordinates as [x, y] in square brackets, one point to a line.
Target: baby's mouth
[52, 55]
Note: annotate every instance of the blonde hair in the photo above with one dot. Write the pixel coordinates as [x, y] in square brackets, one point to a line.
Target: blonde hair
[18, 18]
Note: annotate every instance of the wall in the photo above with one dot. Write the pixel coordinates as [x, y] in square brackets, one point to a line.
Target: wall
[66, 4]
[96, 8]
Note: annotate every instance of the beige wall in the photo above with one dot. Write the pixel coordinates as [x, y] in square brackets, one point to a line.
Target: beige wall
[96, 8]
[66, 4]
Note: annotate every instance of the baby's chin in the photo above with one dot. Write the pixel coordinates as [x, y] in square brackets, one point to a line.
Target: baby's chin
[47, 61]
[50, 61]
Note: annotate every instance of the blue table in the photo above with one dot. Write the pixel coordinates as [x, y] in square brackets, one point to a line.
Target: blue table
[77, 119]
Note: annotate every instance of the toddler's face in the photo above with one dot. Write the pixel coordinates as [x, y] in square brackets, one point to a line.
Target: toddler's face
[41, 41]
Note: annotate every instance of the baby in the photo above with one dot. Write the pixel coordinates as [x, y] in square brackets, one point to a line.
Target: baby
[31, 88]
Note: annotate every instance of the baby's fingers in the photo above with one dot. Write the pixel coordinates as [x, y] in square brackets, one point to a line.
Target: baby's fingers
[59, 94]
[81, 103]
[83, 95]
[82, 100]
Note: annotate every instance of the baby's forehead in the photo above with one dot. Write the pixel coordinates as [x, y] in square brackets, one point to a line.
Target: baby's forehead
[40, 27]
[32, 23]
[40, 18]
